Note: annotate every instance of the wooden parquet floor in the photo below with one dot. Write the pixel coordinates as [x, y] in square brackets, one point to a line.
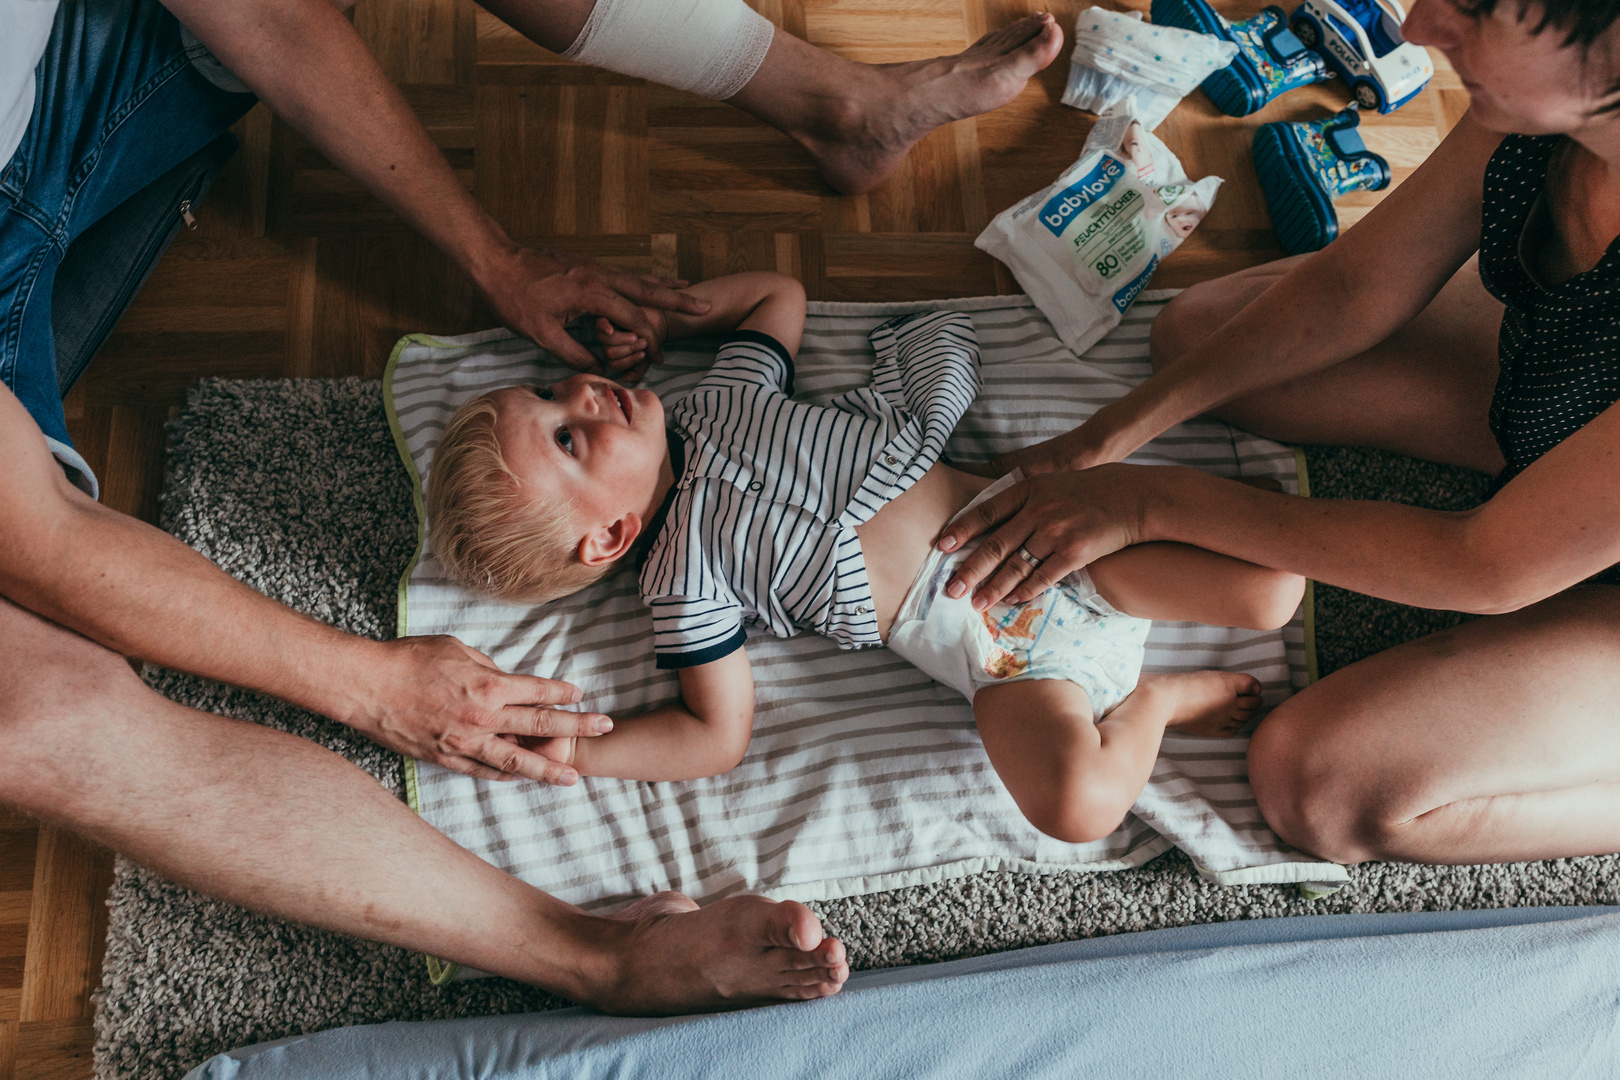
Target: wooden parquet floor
[295, 271]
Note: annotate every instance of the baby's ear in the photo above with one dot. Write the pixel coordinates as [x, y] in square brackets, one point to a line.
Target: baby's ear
[610, 543]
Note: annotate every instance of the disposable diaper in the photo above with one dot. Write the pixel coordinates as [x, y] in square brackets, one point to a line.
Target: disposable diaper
[1116, 55]
[1086, 246]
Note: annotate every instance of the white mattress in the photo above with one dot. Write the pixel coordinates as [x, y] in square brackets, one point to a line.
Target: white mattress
[863, 774]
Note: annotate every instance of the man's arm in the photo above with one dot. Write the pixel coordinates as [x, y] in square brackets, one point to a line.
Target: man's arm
[140, 592]
[305, 60]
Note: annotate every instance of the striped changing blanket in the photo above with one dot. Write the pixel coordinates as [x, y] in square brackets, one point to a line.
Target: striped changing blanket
[862, 774]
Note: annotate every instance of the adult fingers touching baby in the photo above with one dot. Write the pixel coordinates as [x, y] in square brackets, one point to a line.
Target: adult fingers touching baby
[621, 347]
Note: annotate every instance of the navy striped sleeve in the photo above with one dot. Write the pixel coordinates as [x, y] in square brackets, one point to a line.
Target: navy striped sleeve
[693, 630]
[749, 357]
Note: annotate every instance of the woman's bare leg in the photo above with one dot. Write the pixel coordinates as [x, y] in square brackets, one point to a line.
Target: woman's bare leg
[1424, 391]
[1495, 741]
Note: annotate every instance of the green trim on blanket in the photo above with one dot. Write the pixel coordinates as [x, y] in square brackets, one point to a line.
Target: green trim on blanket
[1310, 586]
[439, 972]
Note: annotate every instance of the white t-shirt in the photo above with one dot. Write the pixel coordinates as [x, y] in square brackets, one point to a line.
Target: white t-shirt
[25, 28]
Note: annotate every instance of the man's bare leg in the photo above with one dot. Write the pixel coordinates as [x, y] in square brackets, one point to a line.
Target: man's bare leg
[1494, 741]
[857, 120]
[273, 822]
[1424, 391]
[860, 120]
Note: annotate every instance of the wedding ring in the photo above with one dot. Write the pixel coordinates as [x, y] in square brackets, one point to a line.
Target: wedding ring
[1023, 553]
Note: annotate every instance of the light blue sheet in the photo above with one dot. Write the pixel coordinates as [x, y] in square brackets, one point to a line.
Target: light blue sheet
[1507, 993]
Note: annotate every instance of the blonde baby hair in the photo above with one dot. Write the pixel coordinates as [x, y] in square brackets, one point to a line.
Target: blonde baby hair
[490, 536]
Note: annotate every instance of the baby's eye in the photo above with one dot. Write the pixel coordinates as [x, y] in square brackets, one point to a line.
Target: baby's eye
[565, 440]
[544, 392]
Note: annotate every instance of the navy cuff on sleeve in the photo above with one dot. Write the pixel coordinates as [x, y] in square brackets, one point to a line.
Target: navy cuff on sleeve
[758, 338]
[708, 655]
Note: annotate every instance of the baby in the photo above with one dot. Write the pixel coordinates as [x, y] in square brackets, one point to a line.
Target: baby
[744, 506]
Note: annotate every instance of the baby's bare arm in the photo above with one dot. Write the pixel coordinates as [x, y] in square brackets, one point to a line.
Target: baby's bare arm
[1182, 583]
[768, 302]
[704, 734]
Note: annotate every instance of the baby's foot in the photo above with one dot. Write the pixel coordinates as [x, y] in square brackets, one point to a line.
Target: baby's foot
[1212, 703]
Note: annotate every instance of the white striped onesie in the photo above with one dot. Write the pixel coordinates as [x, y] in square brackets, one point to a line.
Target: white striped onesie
[760, 525]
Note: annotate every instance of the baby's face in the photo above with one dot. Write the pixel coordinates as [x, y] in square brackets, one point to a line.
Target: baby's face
[1183, 220]
[587, 439]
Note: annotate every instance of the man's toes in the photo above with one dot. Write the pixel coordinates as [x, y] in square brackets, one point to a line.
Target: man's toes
[788, 924]
[804, 929]
[809, 992]
[1009, 39]
[831, 952]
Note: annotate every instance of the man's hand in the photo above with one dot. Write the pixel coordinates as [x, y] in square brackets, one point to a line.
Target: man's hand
[439, 700]
[537, 293]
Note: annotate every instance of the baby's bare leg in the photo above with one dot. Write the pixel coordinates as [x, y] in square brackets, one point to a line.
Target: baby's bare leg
[1182, 583]
[1075, 779]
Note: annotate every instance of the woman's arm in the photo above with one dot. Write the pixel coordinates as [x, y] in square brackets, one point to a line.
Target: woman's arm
[706, 733]
[1554, 525]
[1340, 302]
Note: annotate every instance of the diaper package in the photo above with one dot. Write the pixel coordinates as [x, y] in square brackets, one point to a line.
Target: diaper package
[1116, 56]
[1085, 247]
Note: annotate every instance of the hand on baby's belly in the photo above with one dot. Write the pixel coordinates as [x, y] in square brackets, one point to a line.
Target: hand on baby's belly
[896, 540]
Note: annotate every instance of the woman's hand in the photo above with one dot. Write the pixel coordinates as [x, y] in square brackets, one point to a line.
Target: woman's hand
[1095, 442]
[1064, 520]
[1073, 450]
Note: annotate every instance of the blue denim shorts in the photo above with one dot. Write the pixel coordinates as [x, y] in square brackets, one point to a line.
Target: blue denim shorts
[118, 106]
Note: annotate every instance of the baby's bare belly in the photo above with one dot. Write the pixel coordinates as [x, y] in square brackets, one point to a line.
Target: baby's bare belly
[898, 537]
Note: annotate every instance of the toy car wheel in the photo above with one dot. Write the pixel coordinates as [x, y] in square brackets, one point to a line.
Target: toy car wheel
[1367, 96]
[1305, 28]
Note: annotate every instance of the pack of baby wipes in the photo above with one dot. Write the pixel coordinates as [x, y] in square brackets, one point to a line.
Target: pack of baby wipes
[1085, 247]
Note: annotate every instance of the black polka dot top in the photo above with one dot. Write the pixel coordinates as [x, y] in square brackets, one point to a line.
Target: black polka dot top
[1559, 347]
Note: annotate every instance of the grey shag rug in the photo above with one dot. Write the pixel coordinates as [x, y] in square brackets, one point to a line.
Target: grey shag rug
[294, 487]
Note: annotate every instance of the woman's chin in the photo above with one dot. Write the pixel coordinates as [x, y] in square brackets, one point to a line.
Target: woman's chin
[1495, 116]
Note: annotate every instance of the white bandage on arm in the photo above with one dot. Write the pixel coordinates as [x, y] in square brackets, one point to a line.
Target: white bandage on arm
[708, 47]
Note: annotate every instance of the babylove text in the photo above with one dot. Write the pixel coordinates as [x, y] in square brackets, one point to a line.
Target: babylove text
[1061, 208]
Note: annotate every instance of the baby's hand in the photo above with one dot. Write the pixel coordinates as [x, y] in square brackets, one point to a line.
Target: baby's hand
[561, 750]
[625, 352]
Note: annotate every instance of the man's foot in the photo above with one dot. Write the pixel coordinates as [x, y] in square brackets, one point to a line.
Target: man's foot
[745, 950]
[866, 137]
[1211, 703]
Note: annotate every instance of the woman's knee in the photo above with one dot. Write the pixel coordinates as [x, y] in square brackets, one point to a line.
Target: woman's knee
[1199, 310]
[1182, 324]
[1307, 792]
